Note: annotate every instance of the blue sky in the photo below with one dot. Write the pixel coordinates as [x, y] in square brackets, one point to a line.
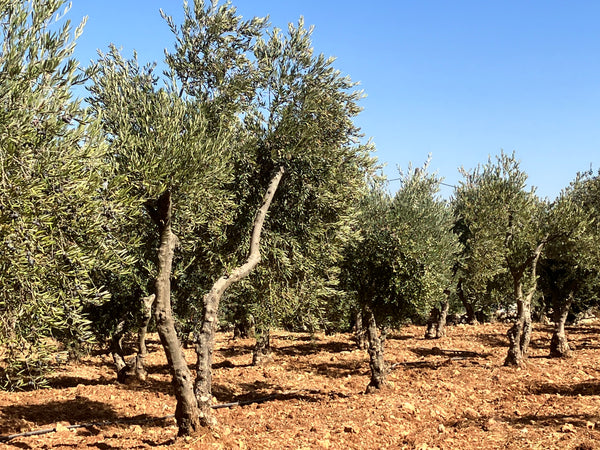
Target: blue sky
[459, 80]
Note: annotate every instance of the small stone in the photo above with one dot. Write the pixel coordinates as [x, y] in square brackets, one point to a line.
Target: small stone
[409, 407]
[470, 413]
[590, 425]
[60, 428]
[441, 428]
[567, 428]
[136, 429]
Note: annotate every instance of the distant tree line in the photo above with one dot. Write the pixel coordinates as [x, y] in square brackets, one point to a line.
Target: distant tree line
[234, 191]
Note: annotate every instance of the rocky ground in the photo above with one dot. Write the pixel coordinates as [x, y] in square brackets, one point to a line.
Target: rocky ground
[452, 393]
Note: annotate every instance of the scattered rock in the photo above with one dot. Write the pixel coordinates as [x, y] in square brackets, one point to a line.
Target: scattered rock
[567, 428]
[409, 407]
[470, 413]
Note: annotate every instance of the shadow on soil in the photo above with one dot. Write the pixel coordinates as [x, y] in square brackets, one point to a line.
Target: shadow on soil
[551, 420]
[80, 409]
[434, 364]
[261, 392]
[492, 339]
[314, 347]
[571, 390]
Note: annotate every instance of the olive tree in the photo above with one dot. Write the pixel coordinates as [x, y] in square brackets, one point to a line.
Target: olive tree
[176, 170]
[402, 265]
[207, 153]
[293, 113]
[506, 231]
[570, 261]
[56, 191]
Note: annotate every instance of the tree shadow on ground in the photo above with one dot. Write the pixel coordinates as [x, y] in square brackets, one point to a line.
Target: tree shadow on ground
[315, 347]
[458, 354]
[492, 339]
[80, 409]
[65, 381]
[567, 389]
[332, 369]
[551, 420]
[261, 392]
[400, 337]
[434, 364]
[540, 343]
[238, 350]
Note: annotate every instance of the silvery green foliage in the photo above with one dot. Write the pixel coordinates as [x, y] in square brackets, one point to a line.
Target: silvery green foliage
[500, 222]
[407, 253]
[290, 107]
[56, 195]
[572, 256]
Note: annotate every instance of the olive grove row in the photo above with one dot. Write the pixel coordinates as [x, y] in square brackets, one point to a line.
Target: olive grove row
[235, 190]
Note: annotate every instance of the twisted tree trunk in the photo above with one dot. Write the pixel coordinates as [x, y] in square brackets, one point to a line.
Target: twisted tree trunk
[434, 317]
[140, 369]
[376, 345]
[206, 335]
[520, 333]
[559, 346]
[359, 331]
[186, 411]
[261, 353]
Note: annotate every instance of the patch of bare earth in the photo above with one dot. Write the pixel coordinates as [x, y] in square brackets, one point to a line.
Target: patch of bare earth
[452, 393]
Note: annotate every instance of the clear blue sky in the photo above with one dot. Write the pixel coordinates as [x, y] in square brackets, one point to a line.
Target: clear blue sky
[459, 79]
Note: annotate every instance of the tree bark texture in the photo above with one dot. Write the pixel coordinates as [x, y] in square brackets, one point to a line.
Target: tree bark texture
[559, 346]
[147, 303]
[186, 411]
[434, 317]
[140, 369]
[467, 303]
[205, 340]
[116, 348]
[520, 333]
[359, 331]
[375, 350]
[261, 354]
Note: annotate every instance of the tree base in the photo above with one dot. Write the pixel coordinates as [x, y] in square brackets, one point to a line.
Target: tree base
[559, 347]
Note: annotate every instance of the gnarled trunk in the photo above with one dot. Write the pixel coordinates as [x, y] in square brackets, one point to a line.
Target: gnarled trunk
[434, 317]
[116, 349]
[440, 331]
[261, 353]
[520, 333]
[376, 346]
[139, 368]
[467, 303]
[206, 335]
[186, 411]
[559, 346]
[359, 331]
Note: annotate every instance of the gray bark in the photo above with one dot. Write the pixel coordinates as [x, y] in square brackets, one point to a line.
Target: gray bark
[139, 368]
[359, 331]
[116, 348]
[440, 330]
[206, 335]
[376, 345]
[261, 353]
[186, 411]
[519, 334]
[559, 346]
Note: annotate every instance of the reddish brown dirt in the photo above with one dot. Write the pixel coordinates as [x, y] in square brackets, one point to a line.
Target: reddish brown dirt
[452, 393]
